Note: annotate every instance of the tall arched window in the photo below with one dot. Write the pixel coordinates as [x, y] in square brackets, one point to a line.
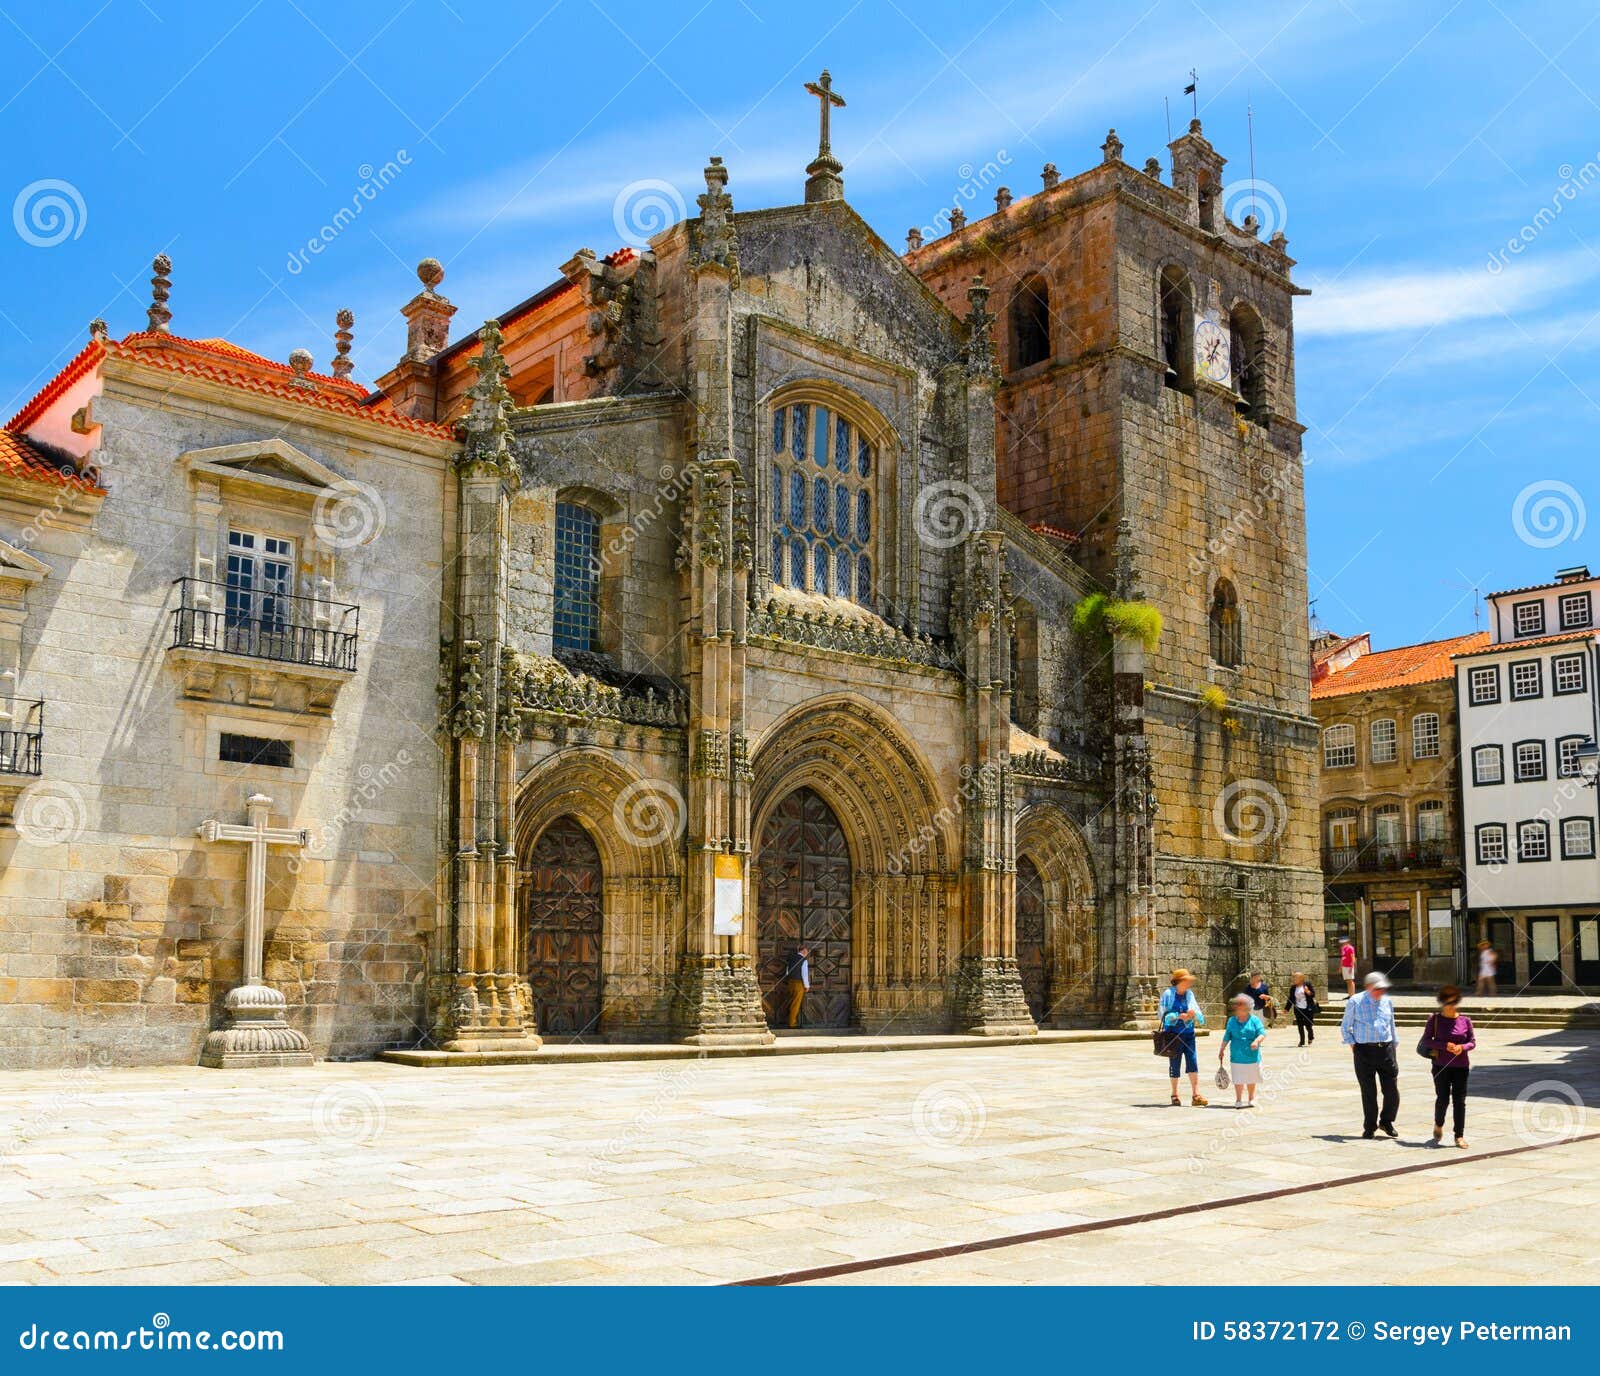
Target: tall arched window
[822, 500]
[1030, 323]
[1177, 329]
[1227, 638]
[577, 582]
[1247, 353]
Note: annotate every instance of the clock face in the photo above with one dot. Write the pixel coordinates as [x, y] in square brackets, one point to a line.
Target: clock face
[1211, 351]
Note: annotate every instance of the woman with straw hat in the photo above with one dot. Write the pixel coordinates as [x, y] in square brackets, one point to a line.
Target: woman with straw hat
[1181, 1015]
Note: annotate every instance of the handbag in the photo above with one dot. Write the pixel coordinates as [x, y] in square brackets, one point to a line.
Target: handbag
[1424, 1042]
[1168, 1042]
[1222, 1076]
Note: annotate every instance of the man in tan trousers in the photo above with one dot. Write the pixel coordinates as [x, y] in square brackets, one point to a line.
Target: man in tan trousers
[798, 980]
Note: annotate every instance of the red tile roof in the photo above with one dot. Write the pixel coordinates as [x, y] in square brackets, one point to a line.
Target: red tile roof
[1526, 643]
[1055, 532]
[217, 360]
[1425, 663]
[21, 457]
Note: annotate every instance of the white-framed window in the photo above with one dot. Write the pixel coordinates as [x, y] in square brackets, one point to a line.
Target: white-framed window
[1383, 743]
[1567, 757]
[1388, 825]
[1577, 838]
[1343, 823]
[1492, 843]
[1577, 611]
[1528, 618]
[1339, 747]
[1533, 840]
[1527, 679]
[1488, 765]
[1527, 761]
[1567, 674]
[1425, 736]
[259, 581]
[1483, 684]
[1430, 820]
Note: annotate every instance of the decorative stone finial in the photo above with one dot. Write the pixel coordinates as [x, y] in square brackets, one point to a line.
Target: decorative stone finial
[1002, 200]
[1251, 226]
[488, 425]
[160, 290]
[1194, 127]
[1152, 168]
[342, 366]
[958, 220]
[716, 240]
[823, 179]
[1279, 241]
[1112, 147]
[300, 362]
[913, 239]
[980, 334]
[427, 315]
[98, 332]
[1050, 177]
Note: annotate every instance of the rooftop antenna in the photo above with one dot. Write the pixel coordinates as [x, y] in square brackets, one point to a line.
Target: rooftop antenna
[1166, 101]
[1477, 598]
[1250, 128]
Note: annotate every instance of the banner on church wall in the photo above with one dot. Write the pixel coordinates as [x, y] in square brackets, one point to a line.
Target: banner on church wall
[727, 915]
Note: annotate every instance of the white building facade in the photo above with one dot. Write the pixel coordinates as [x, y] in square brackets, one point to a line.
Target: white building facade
[1527, 704]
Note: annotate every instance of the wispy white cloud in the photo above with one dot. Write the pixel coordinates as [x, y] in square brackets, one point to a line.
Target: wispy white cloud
[1404, 298]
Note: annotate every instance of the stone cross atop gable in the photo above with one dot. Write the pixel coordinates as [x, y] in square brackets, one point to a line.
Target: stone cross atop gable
[823, 179]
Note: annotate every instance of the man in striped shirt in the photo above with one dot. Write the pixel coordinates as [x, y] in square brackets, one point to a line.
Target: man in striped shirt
[1368, 1030]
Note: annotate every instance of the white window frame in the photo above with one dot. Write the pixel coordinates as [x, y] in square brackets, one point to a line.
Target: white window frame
[1568, 662]
[1583, 826]
[1432, 719]
[1483, 674]
[1537, 687]
[1328, 746]
[1533, 827]
[1535, 622]
[1431, 807]
[1383, 749]
[1575, 599]
[1519, 773]
[1494, 752]
[1493, 833]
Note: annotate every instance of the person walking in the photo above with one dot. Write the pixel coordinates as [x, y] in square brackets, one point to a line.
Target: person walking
[1242, 1036]
[1347, 965]
[1368, 1029]
[1303, 1004]
[1261, 997]
[1450, 1039]
[1181, 1013]
[1488, 966]
[797, 977]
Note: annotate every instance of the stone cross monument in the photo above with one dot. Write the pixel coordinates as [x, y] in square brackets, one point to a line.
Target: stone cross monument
[823, 179]
[258, 1034]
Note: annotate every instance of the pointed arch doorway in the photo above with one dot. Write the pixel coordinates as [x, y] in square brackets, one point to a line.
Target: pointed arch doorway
[805, 900]
[1033, 938]
[562, 896]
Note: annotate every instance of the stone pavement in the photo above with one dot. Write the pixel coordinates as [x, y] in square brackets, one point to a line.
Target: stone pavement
[705, 1171]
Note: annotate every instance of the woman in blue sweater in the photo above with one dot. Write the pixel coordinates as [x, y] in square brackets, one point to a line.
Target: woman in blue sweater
[1180, 1013]
[1242, 1036]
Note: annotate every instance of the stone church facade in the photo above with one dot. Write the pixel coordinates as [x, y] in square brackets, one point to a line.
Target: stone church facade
[761, 587]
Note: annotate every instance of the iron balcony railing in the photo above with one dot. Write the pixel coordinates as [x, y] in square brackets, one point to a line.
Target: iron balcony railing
[265, 625]
[1376, 857]
[22, 739]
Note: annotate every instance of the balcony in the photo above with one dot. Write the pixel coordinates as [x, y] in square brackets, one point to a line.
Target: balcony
[1369, 856]
[22, 740]
[281, 651]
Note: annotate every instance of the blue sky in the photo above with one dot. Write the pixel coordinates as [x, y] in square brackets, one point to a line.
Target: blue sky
[1446, 381]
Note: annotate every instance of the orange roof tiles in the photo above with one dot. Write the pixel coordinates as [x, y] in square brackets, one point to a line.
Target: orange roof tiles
[1425, 663]
[1528, 642]
[21, 457]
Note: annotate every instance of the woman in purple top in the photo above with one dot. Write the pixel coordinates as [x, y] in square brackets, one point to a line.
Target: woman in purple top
[1449, 1036]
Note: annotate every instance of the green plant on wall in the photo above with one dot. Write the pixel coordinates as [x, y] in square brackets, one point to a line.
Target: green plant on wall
[1101, 616]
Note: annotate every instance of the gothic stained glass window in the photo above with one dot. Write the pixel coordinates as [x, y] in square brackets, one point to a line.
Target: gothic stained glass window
[577, 614]
[821, 515]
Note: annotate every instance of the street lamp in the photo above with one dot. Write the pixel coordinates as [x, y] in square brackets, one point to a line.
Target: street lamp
[1588, 754]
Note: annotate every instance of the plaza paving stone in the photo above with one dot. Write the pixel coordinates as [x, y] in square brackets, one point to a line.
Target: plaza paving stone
[698, 1172]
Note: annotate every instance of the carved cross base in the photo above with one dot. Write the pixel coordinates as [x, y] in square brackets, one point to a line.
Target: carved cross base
[489, 1012]
[718, 1003]
[258, 1036]
[989, 999]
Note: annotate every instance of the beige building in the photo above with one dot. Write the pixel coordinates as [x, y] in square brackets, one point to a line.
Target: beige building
[712, 602]
[1391, 807]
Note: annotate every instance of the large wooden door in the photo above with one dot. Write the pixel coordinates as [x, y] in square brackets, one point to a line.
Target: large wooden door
[1031, 928]
[561, 921]
[804, 900]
